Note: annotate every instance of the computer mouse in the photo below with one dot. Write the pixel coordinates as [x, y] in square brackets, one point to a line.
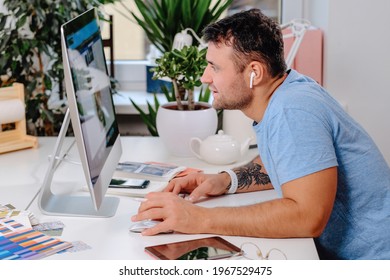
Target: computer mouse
[142, 225]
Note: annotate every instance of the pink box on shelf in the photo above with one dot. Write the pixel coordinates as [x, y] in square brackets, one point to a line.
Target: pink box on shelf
[308, 59]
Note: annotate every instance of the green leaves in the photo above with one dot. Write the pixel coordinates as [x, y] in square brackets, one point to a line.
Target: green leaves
[162, 19]
[204, 95]
[186, 66]
[29, 36]
[149, 118]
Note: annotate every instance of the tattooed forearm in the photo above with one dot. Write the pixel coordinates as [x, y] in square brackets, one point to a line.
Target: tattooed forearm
[251, 174]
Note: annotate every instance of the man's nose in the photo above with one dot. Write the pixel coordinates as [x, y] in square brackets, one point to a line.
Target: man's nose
[206, 78]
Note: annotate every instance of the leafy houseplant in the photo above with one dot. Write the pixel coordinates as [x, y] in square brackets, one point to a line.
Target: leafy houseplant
[179, 121]
[30, 53]
[184, 67]
[163, 19]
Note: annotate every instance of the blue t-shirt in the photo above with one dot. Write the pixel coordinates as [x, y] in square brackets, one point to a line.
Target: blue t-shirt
[305, 130]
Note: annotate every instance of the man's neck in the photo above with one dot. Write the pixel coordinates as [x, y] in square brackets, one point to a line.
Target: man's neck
[262, 98]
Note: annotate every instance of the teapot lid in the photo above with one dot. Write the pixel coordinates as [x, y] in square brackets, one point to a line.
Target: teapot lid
[221, 136]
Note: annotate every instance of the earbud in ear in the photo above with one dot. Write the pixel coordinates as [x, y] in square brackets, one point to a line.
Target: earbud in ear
[251, 79]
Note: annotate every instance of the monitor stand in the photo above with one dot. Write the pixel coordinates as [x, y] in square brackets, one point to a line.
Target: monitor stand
[68, 204]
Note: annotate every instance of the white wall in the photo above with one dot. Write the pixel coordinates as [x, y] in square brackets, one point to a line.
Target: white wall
[357, 63]
[356, 59]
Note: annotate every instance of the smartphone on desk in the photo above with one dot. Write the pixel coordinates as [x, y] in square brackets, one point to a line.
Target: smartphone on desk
[210, 248]
[129, 183]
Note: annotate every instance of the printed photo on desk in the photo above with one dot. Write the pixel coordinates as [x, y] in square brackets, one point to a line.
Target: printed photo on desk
[159, 174]
[149, 170]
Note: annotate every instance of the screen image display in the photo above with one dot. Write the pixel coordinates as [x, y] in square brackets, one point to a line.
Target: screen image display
[210, 248]
[93, 92]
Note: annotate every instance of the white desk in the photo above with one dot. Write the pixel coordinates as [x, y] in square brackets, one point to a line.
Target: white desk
[22, 173]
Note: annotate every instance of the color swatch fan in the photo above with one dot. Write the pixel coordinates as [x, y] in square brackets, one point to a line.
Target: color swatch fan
[18, 242]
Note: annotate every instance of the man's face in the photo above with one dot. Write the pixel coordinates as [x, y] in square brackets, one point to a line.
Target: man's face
[230, 89]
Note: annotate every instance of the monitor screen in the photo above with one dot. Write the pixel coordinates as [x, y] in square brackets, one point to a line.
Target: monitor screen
[91, 85]
[91, 110]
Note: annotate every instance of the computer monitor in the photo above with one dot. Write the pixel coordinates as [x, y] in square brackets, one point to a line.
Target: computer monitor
[92, 114]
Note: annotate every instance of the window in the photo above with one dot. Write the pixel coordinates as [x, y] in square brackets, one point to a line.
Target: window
[129, 39]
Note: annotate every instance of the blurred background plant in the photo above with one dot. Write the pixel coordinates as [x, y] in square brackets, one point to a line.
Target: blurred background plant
[163, 19]
[30, 53]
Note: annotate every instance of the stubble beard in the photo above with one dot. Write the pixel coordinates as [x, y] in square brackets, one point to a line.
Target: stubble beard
[238, 98]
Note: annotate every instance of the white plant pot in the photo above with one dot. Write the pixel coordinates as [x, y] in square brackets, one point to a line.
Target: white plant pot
[176, 128]
[239, 126]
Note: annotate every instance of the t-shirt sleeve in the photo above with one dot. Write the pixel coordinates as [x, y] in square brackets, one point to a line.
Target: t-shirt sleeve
[300, 143]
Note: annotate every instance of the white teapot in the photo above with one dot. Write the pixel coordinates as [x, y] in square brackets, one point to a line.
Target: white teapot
[219, 148]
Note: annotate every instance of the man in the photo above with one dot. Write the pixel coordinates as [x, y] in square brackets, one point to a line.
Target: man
[334, 184]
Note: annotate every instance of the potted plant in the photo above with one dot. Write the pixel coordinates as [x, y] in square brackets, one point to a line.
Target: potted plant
[178, 121]
[184, 68]
[30, 53]
[161, 21]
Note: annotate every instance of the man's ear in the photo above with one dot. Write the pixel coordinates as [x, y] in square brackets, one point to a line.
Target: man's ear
[256, 73]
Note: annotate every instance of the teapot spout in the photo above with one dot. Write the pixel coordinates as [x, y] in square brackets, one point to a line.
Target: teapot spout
[245, 146]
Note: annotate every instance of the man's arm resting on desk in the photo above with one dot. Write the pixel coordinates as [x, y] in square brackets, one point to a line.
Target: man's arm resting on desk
[302, 212]
[251, 177]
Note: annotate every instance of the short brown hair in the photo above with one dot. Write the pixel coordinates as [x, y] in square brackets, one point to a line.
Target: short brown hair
[253, 36]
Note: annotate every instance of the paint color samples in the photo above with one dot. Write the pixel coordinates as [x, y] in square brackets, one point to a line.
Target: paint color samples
[20, 242]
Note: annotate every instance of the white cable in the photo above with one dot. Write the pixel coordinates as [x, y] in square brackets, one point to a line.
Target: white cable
[183, 39]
